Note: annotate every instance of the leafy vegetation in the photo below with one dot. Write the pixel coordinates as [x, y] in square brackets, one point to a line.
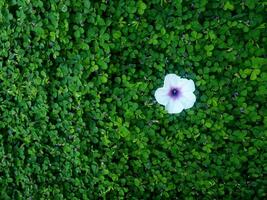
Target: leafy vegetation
[78, 115]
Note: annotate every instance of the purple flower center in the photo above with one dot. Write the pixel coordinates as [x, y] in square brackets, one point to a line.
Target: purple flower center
[174, 93]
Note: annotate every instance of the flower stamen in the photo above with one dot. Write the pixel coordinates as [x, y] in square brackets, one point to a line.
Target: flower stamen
[174, 93]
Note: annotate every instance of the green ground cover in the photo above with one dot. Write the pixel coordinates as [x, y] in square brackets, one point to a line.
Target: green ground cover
[78, 117]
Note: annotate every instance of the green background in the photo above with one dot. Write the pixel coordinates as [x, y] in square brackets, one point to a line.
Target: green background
[78, 117]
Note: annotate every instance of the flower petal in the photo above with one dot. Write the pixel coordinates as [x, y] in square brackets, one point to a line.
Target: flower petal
[187, 85]
[174, 107]
[161, 96]
[187, 99]
[171, 80]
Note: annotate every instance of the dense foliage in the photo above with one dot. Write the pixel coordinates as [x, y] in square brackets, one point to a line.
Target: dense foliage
[78, 115]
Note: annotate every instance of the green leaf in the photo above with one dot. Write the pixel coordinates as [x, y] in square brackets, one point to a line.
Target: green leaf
[124, 132]
[141, 7]
[228, 6]
[258, 62]
[102, 64]
[250, 3]
[254, 74]
[209, 47]
[117, 34]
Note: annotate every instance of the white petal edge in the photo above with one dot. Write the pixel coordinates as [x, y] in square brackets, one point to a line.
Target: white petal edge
[188, 86]
[161, 95]
[171, 80]
[187, 99]
[174, 106]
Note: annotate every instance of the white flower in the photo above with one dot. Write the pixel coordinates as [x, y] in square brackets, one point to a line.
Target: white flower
[176, 94]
